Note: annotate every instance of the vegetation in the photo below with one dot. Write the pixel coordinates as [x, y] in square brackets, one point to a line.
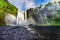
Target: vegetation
[52, 20]
[5, 6]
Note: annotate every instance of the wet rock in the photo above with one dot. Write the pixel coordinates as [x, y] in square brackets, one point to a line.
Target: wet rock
[15, 33]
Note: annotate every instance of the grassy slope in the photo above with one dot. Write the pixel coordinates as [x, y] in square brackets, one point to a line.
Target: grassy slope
[5, 6]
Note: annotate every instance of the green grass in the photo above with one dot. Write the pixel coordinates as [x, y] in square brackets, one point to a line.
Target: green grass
[5, 6]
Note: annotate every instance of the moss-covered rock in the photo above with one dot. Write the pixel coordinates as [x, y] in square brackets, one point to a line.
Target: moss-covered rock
[46, 15]
[5, 6]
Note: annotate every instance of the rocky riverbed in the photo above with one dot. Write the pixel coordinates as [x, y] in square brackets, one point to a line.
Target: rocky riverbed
[16, 33]
[21, 33]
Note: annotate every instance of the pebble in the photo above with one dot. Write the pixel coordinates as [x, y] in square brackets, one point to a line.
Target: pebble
[20, 33]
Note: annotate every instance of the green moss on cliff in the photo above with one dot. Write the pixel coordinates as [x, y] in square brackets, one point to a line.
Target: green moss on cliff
[5, 6]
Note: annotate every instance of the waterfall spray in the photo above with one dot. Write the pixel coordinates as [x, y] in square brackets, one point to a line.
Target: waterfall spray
[10, 19]
[21, 18]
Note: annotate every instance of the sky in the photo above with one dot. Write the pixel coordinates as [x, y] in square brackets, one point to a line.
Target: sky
[26, 4]
[55, 0]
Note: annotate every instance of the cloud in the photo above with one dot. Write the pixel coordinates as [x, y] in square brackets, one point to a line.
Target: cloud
[26, 4]
[29, 4]
[19, 3]
[55, 0]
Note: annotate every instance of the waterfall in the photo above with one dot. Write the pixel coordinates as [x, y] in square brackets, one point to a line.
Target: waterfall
[21, 18]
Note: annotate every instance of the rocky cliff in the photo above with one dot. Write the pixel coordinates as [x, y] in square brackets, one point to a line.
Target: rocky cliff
[47, 14]
[5, 6]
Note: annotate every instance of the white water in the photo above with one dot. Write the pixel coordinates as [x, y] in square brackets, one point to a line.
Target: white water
[22, 18]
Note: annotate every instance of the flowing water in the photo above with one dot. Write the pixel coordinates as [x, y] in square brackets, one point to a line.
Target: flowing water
[19, 30]
[22, 18]
[23, 21]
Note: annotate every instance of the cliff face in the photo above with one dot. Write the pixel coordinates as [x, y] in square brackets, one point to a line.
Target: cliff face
[46, 14]
[5, 6]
